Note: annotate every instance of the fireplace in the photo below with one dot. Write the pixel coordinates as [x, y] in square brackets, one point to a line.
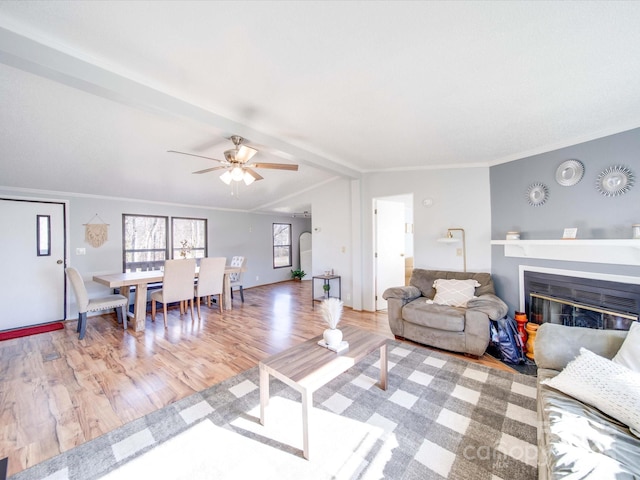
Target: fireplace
[580, 301]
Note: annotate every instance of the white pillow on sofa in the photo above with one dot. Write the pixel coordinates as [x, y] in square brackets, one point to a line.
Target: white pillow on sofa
[629, 353]
[608, 386]
[455, 293]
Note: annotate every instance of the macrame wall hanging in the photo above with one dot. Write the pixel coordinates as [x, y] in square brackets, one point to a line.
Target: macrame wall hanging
[95, 234]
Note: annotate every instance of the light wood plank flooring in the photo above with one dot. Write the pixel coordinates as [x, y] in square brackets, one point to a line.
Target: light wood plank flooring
[58, 392]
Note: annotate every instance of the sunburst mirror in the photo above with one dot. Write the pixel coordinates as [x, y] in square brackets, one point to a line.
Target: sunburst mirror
[569, 172]
[614, 181]
[537, 194]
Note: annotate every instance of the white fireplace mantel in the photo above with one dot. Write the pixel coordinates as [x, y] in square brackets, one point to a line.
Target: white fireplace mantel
[619, 252]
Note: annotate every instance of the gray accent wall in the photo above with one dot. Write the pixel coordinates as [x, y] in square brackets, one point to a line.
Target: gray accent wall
[582, 206]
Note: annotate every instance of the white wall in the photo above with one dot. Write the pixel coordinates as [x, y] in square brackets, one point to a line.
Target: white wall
[461, 198]
[342, 210]
[336, 243]
[230, 233]
[331, 230]
[341, 225]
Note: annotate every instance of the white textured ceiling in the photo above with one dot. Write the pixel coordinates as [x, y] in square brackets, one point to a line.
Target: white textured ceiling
[94, 93]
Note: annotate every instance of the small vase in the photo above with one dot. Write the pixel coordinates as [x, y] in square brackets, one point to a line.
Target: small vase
[332, 337]
[521, 319]
[532, 330]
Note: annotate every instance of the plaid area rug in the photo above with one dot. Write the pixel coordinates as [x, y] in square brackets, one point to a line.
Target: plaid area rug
[439, 418]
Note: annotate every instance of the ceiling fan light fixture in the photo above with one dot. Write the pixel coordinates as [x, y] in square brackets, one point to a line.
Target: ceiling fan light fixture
[226, 177]
[235, 163]
[237, 174]
[248, 179]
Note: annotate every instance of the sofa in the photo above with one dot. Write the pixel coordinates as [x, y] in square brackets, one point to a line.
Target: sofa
[418, 313]
[576, 439]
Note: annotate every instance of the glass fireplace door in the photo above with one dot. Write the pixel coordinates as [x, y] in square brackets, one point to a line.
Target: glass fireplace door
[564, 312]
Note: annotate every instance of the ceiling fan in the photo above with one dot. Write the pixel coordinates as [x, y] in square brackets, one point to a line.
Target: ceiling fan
[236, 163]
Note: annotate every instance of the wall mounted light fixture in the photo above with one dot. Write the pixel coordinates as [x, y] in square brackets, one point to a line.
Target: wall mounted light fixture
[451, 239]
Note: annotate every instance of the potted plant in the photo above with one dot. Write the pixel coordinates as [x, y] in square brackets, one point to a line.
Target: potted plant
[331, 309]
[297, 274]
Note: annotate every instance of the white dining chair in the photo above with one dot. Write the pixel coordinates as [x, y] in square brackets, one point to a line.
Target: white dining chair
[177, 286]
[210, 280]
[235, 278]
[86, 304]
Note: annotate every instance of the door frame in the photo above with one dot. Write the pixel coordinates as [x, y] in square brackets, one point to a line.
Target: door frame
[65, 228]
[300, 252]
[407, 200]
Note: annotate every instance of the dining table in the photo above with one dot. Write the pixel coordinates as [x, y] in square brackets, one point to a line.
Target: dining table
[140, 280]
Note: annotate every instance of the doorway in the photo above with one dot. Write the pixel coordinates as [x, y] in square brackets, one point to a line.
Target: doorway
[393, 220]
[33, 249]
[305, 244]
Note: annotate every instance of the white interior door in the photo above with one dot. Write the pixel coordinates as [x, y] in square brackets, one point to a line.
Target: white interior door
[390, 233]
[32, 258]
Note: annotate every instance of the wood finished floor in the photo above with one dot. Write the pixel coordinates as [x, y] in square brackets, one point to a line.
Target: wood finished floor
[58, 392]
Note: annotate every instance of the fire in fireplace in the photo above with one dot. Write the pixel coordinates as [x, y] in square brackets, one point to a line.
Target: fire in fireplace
[580, 302]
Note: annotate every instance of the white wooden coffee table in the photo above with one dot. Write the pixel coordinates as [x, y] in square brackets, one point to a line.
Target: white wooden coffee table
[308, 366]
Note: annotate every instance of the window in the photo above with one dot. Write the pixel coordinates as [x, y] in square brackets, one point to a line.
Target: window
[144, 242]
[281, 245]
[43, 235]
[189, 237]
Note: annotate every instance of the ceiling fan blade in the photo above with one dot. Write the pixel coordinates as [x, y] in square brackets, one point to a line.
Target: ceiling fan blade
[278, 166]
[194, 155]
[253, 173]
[207, 170]
[245, 154]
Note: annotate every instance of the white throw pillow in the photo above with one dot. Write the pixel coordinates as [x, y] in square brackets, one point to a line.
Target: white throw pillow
[455, 293]
[629, 353]
[608, 386]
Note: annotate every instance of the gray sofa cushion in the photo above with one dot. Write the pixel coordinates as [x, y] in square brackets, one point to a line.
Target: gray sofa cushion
[423, 280]
[441, 317]
[560, 344]
[576, 440]
[583, 442]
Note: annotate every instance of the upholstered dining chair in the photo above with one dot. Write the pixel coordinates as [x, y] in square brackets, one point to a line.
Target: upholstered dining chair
[235, 278]
[85, 304]
[177, 285]
[210, 280]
